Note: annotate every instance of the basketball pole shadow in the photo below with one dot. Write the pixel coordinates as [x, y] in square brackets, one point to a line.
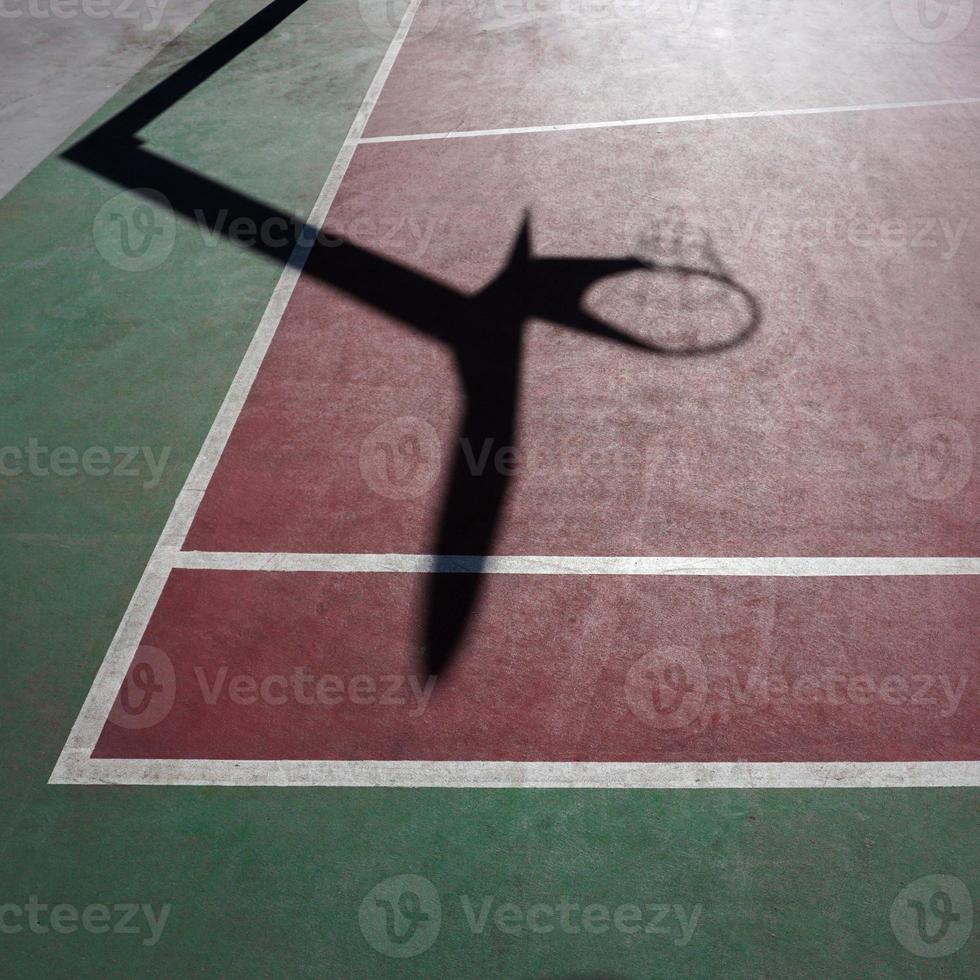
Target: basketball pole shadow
[484, 330]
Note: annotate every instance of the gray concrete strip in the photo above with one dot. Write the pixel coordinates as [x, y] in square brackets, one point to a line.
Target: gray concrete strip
[60, 60]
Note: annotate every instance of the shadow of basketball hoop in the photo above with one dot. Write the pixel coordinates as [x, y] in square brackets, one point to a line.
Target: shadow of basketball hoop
[484, 330]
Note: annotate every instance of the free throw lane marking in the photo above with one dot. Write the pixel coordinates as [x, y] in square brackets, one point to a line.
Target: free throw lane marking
[556, 668]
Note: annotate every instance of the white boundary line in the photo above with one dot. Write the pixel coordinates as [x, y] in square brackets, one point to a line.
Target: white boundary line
[252, 561]
[665, 120]
[75, 764]
[95, 710]
[527, 775]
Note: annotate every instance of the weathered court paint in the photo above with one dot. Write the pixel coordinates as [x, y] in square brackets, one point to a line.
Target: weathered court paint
[791, 444]
[697, 312]
[640, 669]
[481, 66]
[269, 881]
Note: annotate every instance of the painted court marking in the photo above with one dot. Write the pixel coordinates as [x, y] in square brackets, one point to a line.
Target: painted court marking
[570, 564]
[665, 120]
[75, 764]
[530, 775]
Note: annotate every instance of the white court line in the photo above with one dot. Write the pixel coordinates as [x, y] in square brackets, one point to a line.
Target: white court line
[95, 710]
[253, 561]
[664, 120]
[525, 775]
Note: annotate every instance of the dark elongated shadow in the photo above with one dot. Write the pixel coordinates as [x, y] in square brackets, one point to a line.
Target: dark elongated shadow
[485, 329]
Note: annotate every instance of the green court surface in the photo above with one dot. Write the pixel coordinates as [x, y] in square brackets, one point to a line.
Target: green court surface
[308, 881]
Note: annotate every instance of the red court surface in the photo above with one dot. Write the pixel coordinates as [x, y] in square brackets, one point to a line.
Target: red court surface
[623, 669]
[554, 62]
[843, 427]
[790, 444]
